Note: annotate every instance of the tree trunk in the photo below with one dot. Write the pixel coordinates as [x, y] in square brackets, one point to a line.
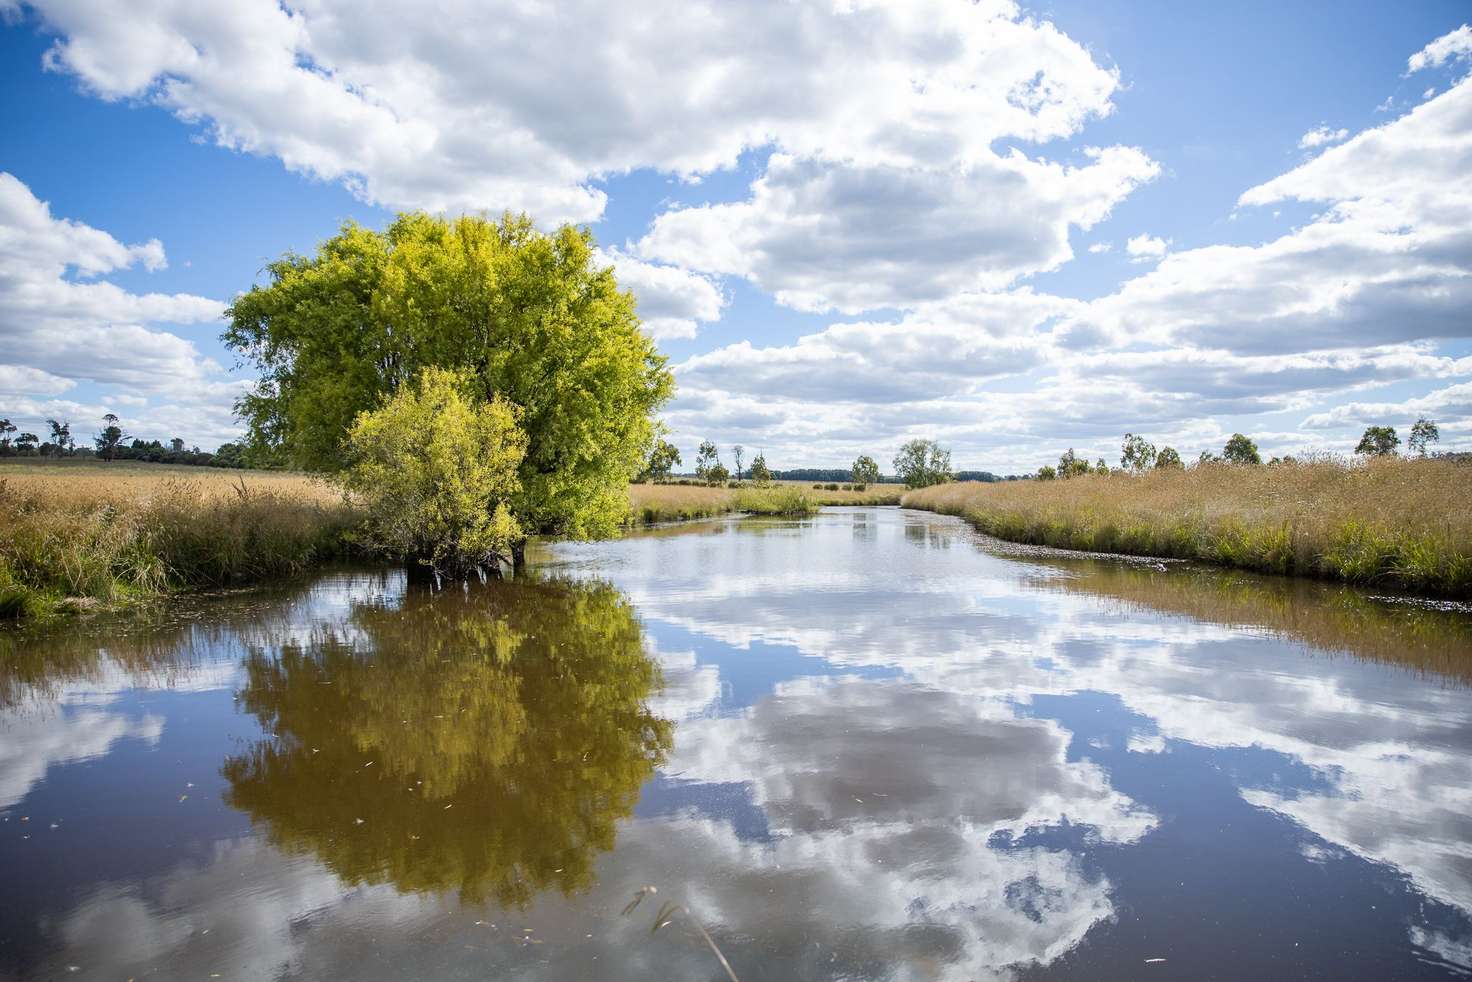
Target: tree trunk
[518, 557]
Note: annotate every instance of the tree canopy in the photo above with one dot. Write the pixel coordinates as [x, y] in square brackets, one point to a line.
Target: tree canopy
[529, 315]
[864, 470]
[1423, 433]
[1378, 441]
[1240, 449]
[921, 463]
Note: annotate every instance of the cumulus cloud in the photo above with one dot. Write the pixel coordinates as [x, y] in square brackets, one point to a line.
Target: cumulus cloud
[1144, 248]
[1452, 46]
[1451, 404]
[1098, 247]
[458, 110]
[822, 235]
[673, 302]
[63, 324]
[1321, 136]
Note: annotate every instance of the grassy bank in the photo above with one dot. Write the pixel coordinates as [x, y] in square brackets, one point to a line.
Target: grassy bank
[1396, 522]
[77, 535]
[654, 503]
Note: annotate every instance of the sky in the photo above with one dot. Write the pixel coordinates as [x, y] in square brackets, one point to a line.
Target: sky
[1014, 229]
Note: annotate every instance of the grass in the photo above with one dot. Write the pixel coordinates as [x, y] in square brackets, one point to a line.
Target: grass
[1397, 522]
[78, 535]
[655, 503]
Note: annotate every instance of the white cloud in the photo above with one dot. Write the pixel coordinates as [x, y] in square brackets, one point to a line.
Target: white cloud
[672, 301]
[63, 325]
[1452, 403]
[1453, 46]
[1099, 247]
[1321, 136]
[1144, 248]
[459, 110]
[823, 235]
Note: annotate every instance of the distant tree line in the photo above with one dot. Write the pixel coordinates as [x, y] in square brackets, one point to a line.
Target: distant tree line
[1138, 455]
[111, 443]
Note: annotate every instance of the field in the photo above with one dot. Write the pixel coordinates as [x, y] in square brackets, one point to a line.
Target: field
[75, 534]
[1396, 522]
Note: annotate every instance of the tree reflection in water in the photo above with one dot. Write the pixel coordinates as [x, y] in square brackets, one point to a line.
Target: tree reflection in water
[486, 740]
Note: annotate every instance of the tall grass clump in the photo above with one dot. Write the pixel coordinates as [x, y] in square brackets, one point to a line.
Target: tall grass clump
[66, 543]
[1398, 522]
[651, 504]
[775, 500]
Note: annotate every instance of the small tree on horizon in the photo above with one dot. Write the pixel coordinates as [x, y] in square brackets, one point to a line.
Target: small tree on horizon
[1137, 454]
[1239, 450]
[1378, 441]
[760, 473]
[110, 438]
[707, 459]
[864, 470]
[921, 463]
[1047, 473]
[663, 459]
[1168, 459]
[61, 436]
[738, 451]
[1071, 464]
[1424, 433]
[6, 428]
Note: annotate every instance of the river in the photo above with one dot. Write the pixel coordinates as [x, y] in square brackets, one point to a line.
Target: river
[867, 745]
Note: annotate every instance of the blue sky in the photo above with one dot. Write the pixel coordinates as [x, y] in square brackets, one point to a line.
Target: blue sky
[847, 227]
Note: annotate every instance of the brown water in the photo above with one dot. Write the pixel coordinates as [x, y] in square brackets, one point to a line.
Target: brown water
[854, 747]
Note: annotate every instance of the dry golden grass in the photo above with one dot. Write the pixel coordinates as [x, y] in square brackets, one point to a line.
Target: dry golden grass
[653, 503]
[75, 533]
[874, 494]
[1395, 522]
[94, 480]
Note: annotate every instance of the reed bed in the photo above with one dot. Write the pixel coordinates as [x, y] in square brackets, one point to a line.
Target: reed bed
[651, 504]
[78, 537]
[1398, 522]
[776, 500]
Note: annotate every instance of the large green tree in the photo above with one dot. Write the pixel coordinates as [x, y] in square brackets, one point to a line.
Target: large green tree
[864, 470]
[1378, 441]
[530, 315]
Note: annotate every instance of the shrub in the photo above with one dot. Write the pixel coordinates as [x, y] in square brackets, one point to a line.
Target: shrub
[435, 470]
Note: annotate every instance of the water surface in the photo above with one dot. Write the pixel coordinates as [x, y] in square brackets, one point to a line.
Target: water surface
[854, 747]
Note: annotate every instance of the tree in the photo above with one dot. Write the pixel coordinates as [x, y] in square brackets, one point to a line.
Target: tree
[6, 428]
[531, 316]
[436, 469]
[921, 463]
[663, 459]
[1240, 450]
[760, 473]
[177, 444]
[707, 459]
[25, 444]
[864, 471]
[1071, 464]
[1100, 467]
[110, 438]
[1137, 454]
[1168, 459]
[1047, 473]
[736, 452]
[61, 436]
[1423, 434]
[1378, 441]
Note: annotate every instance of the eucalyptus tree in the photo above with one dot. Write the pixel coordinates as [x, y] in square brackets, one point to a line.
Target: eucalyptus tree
[1378, 441]
[1424, 433]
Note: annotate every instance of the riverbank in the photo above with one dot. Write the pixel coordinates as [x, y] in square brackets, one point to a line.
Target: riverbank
[76, 537]
[652, 504]
[83, 534]
[1397, 523]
